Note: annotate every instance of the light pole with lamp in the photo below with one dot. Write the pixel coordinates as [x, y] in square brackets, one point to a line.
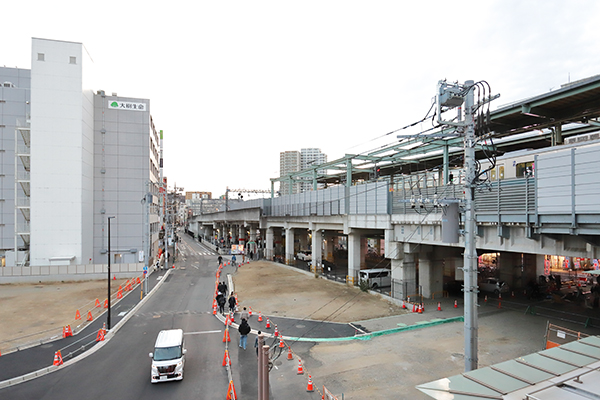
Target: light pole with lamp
[108, 314]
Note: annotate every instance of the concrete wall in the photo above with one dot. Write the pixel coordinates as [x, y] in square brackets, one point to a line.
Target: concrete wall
[56, 273]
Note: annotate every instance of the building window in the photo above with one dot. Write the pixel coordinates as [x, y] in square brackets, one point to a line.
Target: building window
[72, 60]
[41, 57]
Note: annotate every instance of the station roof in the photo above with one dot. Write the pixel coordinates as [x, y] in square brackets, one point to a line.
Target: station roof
[567, 372]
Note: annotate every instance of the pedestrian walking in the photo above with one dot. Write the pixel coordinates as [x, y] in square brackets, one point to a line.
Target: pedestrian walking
[256, 342]
[221, 301]
[224, 287]
[251, 255]
[231, 303]
[244, 330]
[220, 259]
[244, 314]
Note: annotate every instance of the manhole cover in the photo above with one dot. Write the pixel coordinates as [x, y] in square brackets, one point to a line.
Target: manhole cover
[300, 326]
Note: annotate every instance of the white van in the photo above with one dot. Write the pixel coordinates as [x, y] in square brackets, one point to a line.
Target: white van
[377, 277]
[168, 357]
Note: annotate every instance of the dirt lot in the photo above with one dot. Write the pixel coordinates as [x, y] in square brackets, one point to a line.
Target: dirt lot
[31, 312]
[277, 290]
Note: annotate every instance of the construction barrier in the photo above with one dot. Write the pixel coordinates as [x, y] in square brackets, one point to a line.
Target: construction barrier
[557, 336]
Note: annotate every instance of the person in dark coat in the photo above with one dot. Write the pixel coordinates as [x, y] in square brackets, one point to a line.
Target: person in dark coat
[244, 330]
[221, 302]
[231, 303]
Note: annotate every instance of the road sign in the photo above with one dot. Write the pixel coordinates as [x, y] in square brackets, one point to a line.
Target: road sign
[145, 271]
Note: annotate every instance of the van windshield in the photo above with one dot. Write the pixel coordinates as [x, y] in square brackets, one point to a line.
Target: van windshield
[167, 353]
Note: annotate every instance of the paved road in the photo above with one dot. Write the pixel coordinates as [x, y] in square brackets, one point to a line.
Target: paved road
[121, 368]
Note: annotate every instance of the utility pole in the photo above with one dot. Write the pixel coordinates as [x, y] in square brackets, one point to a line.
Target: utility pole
[451, 96]
[471, 327]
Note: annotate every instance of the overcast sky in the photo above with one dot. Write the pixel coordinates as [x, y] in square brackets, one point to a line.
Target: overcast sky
[233, 83]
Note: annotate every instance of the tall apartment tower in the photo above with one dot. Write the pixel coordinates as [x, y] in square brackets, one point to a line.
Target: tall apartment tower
[71, 158]
[289, 161]
[309, 158]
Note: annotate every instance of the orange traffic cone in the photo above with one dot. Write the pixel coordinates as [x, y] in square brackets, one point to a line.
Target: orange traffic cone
[290, 355]
[420, 309]
[439, 306]
[259, 316]
[114, 277]
[105, 303]
[97, 303]
[57, 358]
[89, 316]
[100, 335]
[67, 331]
[231, 392]
[404, 305]
[226, 359]
[249, 311]
[309, 387]
[227, 320]
[485, 299]
[499, 303]
[268, 326]
[77, 315]
[276, 333]
[104, 327]
[214, 310]
[281, 344]
[119, 294]
[236, 300]
[300, 369]
[226, 337]
[414, 308]
[455, 303]
[137, 280]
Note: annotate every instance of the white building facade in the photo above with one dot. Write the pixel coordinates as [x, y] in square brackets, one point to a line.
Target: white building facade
[79, 161]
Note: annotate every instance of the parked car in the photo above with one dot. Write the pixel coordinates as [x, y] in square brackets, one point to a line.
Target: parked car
[377, 277]
[493, 285]
[304, 256]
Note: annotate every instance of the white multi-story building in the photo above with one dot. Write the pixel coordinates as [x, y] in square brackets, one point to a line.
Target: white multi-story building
[78, 157]
[295, 161]
[289, 162]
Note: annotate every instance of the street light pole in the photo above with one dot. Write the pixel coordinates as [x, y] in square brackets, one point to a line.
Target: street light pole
[108, 314]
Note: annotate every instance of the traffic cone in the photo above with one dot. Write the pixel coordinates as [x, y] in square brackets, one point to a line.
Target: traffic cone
[231, 317]
[77, 315]
[309, 387]
[226, 337]
[66, 330]
[513, 294]
[119, 294]
[414, 308]
[439, 306]
[105, 303]
[97, 303]
[485, 299]
[57, 358]
[137, 281]
[236, 300]
[100, 336]
[231, 392]
[259, 316]
[114, 277]
[500, 295]
[226, 359]
[173, 266]
[214, 310]
[499, 303]
[455, 303]
[104, 327]
[268, 326]
[89, 316]
[281, 344]
[290, 355]
[276, 334]
[249, 311]
[300, 369]
[420, 308]
[404, 305]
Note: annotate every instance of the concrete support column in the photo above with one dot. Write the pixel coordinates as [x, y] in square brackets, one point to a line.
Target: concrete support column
[329, 245]
[430, 276]
[354, 257]
[302, 239]
[269, 244]
[289, 246]
[316, 249]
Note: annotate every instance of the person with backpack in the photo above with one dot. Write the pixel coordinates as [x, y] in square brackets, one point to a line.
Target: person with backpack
[244, 330]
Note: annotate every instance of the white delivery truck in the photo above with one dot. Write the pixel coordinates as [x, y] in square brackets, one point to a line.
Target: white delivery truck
[168, 357]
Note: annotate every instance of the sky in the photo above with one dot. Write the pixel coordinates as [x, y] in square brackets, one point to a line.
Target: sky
[234, 83]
